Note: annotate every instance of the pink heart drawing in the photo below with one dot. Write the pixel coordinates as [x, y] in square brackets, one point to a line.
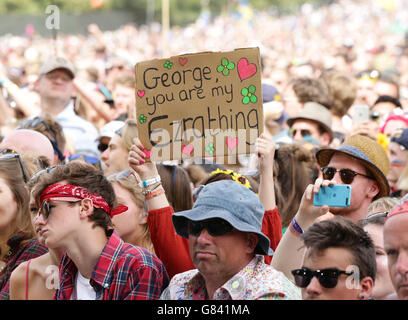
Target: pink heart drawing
[188, 149]
[245, 69]
[140, 93]
[183, 61]
[232, 143]
[148, 153]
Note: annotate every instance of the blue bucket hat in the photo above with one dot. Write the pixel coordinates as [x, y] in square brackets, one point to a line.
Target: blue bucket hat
[232, 202]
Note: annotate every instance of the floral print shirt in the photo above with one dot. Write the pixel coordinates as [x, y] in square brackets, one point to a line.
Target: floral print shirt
[257, 280]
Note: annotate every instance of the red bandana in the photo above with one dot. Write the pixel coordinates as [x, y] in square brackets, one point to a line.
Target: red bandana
[70, 191]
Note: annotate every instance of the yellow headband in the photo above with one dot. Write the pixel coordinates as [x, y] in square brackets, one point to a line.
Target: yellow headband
[235, 176]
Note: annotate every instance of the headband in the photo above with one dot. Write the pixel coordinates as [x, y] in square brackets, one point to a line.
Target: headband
[235, 176]
[61, 191]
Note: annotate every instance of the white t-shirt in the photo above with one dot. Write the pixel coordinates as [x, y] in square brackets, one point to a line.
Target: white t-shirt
[82, 290]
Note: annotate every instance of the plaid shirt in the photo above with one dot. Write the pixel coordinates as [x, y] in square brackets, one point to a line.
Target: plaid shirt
[16, 255]
[123, 272]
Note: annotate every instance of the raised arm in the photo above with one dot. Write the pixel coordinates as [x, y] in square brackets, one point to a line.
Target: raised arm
[171, 248]
[289, 253]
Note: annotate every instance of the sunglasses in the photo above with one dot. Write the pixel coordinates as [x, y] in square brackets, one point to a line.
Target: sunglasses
[346, 175]
[8, 156]
[55, 76]
[371, 74]
[215, 227]
[303, 132]
[328, 278]
[92, 160]
[46, 207]
[102, 147]
[383, 214]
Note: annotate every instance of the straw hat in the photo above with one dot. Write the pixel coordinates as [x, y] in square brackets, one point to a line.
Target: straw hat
[315, 112]
[370, 154]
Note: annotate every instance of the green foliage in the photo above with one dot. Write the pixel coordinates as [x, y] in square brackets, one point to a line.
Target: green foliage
[181, 11]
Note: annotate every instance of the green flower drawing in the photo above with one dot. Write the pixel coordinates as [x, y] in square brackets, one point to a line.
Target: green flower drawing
[225, 66]
[249, 95]
[168, 65]
[142, 118]
[210, 148]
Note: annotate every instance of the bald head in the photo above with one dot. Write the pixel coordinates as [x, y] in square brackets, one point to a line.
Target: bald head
[31, 142]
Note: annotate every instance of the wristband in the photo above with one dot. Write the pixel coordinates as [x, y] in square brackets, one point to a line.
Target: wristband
[149, 182]
[295, 228]
[147, 191]
[154, 194]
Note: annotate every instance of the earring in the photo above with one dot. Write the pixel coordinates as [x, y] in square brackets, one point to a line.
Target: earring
[362, 297]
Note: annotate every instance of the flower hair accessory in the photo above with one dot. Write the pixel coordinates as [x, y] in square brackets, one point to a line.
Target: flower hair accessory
[59, 191]
[235, 176]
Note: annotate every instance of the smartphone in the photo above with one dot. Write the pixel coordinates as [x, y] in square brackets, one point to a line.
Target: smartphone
[335, 195]
[361, 113]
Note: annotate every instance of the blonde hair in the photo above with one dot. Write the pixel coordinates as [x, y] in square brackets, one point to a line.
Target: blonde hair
[128, 183]
[129, 132]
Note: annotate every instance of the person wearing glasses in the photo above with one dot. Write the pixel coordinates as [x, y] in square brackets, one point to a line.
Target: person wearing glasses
[339, 262]
[76, 205]
[227, 248]
[313, 121]
[396, 247]
[56, 88]
[359, 162]
[18, 242]
[114, 158]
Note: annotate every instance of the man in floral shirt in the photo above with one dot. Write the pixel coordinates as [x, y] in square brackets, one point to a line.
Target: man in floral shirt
[227, 247]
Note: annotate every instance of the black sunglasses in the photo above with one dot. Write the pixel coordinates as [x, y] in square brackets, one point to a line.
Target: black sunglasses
[303, 132]
[45, 210]
[8, 156]
[102, 147]
[215, 227]
[328, 278]
[346, 175]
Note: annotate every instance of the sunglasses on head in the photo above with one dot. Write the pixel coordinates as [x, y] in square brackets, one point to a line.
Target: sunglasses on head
[303, 132]
[377, 215]
[20, 162]
[346, 175]
[328, 278]
[96, 162]
[215, 227]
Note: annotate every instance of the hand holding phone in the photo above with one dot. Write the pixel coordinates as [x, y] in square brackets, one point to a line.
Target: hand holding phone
[335, 195]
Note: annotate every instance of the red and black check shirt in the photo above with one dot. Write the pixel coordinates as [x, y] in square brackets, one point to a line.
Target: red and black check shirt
[17, 254]
[123, 272]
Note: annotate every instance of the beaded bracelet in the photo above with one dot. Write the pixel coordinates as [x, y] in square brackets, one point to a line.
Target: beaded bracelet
[154, 194]
[149, 182]
[147, 191]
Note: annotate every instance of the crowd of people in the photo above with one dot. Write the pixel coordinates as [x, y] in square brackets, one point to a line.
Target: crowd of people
[84, 215]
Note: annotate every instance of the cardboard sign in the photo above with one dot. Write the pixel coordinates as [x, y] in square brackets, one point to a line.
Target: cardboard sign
[200, 105]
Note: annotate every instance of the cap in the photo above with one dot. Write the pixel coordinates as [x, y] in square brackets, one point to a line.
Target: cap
[53, 63]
